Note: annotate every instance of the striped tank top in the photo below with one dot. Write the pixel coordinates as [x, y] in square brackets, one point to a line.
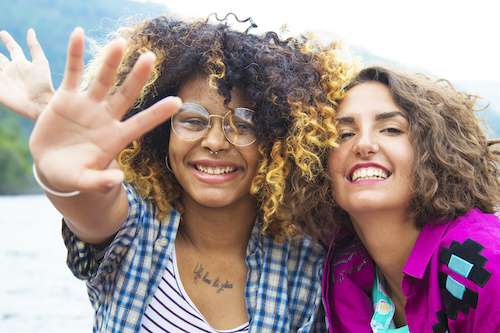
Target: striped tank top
[171, 309]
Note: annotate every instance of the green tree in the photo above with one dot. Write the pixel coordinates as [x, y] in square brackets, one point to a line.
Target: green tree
[15, 158]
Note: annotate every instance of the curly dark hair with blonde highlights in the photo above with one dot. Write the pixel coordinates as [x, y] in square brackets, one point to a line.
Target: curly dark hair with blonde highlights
[312, 135]
[455, 168]
[281, 77]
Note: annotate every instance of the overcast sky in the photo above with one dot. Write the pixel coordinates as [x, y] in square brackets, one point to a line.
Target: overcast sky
[458, 40]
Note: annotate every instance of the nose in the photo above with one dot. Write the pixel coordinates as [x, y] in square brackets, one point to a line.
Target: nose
[214, 139]
[366, 144]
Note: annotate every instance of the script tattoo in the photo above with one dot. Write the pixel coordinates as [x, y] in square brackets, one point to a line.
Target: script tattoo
[201, 275]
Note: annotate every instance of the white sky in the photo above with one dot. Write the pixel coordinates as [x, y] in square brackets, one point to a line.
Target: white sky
[458, 40]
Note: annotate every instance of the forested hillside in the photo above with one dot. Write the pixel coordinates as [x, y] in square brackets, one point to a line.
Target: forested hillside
[15, 165]
[54, 20]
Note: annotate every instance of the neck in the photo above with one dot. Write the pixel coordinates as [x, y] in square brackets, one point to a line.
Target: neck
[389, 239]
[219, 229]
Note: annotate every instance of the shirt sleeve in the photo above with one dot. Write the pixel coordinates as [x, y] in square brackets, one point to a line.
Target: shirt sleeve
[84, 261]
[469, 274]
[80, 259]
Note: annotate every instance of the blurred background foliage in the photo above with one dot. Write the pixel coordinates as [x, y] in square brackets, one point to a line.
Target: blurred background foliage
[15, 158]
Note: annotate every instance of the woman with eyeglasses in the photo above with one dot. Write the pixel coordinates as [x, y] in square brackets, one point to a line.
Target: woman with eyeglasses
[189, 227]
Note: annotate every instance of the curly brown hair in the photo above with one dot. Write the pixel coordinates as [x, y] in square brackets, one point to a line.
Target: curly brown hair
[455, 167]
[286, 79]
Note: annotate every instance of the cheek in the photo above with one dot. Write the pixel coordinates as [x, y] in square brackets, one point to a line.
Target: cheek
[172, 146]
[248, 156]
[178, 148]
[334, 169]
[407, 156]
[253, 159]
[332, 158]
[335, 163]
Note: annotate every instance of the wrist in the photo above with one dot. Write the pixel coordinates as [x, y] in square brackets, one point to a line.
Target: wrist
[49, 190]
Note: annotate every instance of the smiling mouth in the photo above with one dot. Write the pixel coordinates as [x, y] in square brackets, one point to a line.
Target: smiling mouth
[368, 174]
[215, 171]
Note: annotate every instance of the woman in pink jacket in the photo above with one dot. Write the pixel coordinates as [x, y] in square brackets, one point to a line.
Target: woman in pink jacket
[415, 186]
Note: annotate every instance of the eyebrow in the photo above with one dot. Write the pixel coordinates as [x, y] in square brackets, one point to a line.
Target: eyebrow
[381, 116]
[387, 115]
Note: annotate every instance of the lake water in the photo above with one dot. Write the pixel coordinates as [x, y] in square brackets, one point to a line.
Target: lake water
[38, 293]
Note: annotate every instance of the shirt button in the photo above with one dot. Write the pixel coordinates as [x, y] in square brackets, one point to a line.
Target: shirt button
[161, 242]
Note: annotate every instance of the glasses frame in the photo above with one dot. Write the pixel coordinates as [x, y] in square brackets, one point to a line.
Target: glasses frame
[209, 126]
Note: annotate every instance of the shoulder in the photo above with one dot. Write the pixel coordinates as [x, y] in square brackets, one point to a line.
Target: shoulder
[471, 247]
[305, 251]
[350, 261]
[473, 233]
[284, 281]
[487, 225]
[306, 245]
[469, 265]
[347, 281]
[135, 200]
[299, 256]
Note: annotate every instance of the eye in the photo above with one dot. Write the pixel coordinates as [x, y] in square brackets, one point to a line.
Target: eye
[392, 130]
[241, 123]
[345, 136]
[193, 123]
[241, 127]
[190, 121]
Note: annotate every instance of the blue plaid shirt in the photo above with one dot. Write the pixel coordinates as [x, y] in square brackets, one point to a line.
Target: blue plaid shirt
[283, 290]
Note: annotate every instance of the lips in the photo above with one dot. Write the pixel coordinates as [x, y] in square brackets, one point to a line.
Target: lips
[368, 173]
[217, 170]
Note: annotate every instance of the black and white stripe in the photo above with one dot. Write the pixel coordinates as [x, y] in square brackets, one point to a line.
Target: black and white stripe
[171, 309]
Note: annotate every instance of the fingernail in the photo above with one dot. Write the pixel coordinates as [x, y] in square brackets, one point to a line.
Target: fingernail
[176, 99]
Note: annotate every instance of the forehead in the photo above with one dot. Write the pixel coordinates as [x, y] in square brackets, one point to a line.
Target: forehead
[199, 91]
[368, 97]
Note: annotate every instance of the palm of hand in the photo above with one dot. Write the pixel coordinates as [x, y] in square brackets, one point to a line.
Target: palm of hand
[25, 87]
[79, 134]
[74, 137]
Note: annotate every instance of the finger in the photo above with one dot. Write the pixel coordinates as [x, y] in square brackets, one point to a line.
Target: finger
[74, 62]
[37, 54]
[146, 120]
[13, 48]
[107, 73]
[4, 61]
[128, 92]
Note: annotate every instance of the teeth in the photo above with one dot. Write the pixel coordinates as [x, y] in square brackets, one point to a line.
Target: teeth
[370, 173]
[216, 170]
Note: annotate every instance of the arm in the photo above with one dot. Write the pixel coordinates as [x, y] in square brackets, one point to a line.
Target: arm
[78, 135]
[25, 87]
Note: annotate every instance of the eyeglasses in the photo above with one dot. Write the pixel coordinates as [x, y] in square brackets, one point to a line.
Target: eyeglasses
[192, 122]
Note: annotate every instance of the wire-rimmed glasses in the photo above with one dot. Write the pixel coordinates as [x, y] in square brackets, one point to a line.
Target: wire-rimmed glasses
[192, 122]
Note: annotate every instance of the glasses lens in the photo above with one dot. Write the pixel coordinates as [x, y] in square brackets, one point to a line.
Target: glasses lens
[191, 122]
[239, 128]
